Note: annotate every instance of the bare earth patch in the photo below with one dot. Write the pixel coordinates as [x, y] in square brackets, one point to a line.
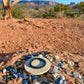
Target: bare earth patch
[64, 36]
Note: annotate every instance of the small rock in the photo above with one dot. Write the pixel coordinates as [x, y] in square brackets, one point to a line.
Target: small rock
[4, 70]
[51, 59]
[40, 55]
[70, 63]
[57, 57]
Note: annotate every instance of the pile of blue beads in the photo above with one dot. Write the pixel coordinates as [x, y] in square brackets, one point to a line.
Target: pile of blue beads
[16, 71]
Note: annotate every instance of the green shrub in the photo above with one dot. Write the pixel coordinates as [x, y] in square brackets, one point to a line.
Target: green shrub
[1, 16]
[17, 13]
[60, 14]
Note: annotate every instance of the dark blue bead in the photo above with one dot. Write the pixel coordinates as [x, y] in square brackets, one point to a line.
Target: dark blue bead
[1, 83]
[58, 80]
[8, 67]
[73, 72]
[19, 75]
[45, 56]
[25, 77]
[25, 82]
[29, 56]
[62, 61]
[14, 77]
[60, 65]
[34, 77]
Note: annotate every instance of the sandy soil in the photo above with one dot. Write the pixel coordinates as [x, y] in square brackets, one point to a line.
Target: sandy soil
[64, 36]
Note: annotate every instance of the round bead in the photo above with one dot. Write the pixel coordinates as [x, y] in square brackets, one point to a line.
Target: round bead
[25, 77]
[25, 82]
[34, 77]
[4, 70]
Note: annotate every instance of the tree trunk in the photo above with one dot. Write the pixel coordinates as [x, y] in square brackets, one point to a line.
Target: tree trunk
[7, 11]
[7, 5]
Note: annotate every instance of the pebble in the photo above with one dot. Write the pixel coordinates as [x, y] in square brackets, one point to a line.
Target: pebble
[15, 76]
[62, 77]
[56, 56]
[51, 59]
[80, 76]
[70, 63]
[55, 75]
[40, 55]
[4, 70]
[64, 66]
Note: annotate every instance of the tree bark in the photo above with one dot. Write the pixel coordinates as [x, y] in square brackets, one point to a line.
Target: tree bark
[7, 8]
[7, 11]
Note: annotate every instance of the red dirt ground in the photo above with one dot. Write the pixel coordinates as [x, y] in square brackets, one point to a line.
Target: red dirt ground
[57, 35]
